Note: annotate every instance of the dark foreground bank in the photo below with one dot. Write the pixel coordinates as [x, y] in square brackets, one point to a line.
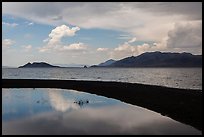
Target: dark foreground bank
[183, 105]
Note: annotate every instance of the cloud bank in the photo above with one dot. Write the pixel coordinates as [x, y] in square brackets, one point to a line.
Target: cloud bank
[146, 21]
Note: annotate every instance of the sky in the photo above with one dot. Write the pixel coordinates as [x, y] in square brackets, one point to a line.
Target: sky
[93, 32]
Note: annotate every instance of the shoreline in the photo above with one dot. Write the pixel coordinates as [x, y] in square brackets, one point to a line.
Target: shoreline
[183, 105]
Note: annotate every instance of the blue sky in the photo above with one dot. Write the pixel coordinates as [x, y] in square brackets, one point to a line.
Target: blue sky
[38, 32]
[91, 33]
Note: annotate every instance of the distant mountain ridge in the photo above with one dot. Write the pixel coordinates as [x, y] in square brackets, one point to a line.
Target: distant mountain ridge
[107, 63]
[38, 65]
[159, 59]
[148, 59]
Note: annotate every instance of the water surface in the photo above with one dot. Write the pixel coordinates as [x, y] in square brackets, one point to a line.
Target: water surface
[59, 111]
[188, 78]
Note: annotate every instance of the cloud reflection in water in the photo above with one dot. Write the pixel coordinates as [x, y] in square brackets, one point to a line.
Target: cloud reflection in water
[59, 103]
[118, 118]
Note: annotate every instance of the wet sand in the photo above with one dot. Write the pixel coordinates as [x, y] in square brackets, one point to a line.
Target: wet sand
[183, 105]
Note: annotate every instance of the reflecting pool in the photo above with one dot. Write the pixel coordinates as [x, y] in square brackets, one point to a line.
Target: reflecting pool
[60, 111]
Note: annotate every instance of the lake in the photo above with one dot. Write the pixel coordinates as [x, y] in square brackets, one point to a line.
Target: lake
[187, 78]
[60, 111]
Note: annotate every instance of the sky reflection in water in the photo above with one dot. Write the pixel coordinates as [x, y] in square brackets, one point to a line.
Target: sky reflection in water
[55, 111]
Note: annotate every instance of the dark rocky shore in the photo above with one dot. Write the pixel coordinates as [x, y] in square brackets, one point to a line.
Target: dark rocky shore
[183, 105]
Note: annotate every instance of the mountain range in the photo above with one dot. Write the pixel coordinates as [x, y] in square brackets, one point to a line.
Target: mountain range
[148, 59]
[157, 59]
[107, 63]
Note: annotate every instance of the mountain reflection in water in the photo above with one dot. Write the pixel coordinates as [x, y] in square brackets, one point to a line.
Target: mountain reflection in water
[55, 111]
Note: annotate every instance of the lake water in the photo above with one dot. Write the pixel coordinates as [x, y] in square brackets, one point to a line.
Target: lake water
[59, 111]
[188, 78]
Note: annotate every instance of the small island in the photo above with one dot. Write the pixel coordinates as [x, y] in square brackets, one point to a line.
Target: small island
[38, 65]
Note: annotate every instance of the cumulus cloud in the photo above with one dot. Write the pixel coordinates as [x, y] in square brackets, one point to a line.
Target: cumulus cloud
[54, 39]
[75, 46]
[185, 35]
[10, 24]
[127, 49]
[61, 31]
[7, 42]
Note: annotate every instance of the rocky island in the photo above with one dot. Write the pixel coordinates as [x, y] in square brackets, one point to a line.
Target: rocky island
[38, 65]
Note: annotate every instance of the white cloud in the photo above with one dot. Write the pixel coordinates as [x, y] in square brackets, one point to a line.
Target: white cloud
[183, 36]
[75, 46]
[102, 49]
[126, 49]
[7, 42]
[10, 24]
[54, 39]
[59, 32]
